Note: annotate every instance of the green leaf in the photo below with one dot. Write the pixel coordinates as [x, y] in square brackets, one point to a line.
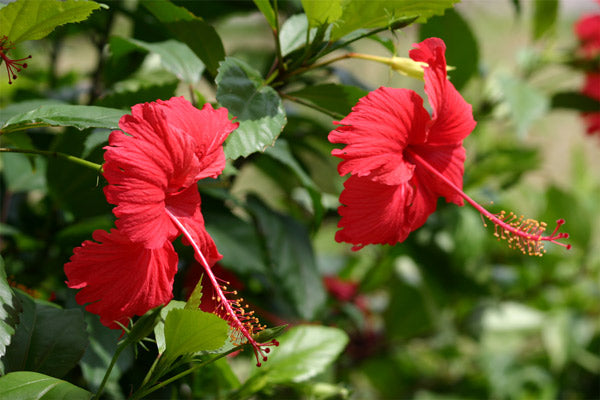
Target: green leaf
[265, 7]
[525, 103]
[82, 193]
[145, 86]
[292, 35]
[144, 325]
[269, 334]
[282, 153]
[195, 299]
[575, 101]
[23, 173]
[258, 108]
[370, 14]
[175, 57]
[80, 117]
[98, 355]
[331, 96]
[191, 331]
[202, 38]
[159, 328]
[10, 307]
[304, 352]
[48, 339]
[238, 242]
[462, 50]
[321, 12]
[545, 13]
[24, 106]
[33, 19]
[291, 259]
[28, 385]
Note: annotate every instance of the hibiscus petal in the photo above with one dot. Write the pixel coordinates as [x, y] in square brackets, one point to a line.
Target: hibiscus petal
[186, 208]
[452, 118]
[118, 278]
[376, 133]
[143, 170]
[375, 213]
[208, 127]
[447, 160]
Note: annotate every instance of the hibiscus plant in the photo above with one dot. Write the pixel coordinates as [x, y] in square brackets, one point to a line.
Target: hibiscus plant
[264, 199]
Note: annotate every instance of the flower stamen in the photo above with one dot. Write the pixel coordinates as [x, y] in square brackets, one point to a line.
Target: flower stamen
[12, 65]
[243, 323]
[519, 232]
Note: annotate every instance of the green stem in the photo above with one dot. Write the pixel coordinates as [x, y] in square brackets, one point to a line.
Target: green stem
[321, 64]
[276, 36]
[120, 348]
[332, 114]
[56, 154]
[146, 392]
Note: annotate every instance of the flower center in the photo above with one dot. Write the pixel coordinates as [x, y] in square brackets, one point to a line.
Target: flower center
[521, 233]
[243, 322]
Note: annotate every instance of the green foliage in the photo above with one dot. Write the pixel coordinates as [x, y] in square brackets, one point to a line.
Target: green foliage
[32, 20]
[188, 28]
[80, 117]
[305, 351]
[462, 50]
[290, 259]
[574, 101]
[175, 56]
[336, 98]
[48, 339]
[10, 308]
[544, 17]
[265, 7]
[32, 385]
[347, 16]
[190, 331]
[258, 108]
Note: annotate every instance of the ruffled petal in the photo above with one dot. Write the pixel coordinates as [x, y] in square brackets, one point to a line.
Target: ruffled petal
[142, 176]
[376, 133]
[587, 30]
[118, 278]
[186, 208]
[447, 160]
[208, 127]
[452, 118]
[155, 161]
[375, 213]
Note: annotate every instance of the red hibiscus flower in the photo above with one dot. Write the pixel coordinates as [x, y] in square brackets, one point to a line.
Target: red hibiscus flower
[587, 30]
[591, 88]
[152, 171]
[401, 160]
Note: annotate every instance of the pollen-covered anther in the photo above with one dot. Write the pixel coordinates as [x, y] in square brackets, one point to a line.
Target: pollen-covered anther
[12, 65]
[243, 323]
[525, 234]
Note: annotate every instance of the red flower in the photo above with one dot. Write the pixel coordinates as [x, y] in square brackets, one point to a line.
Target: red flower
[119, 278]
[152, 171]
[587, 30]
[389, 195]
[591, 88]
[401, 160]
